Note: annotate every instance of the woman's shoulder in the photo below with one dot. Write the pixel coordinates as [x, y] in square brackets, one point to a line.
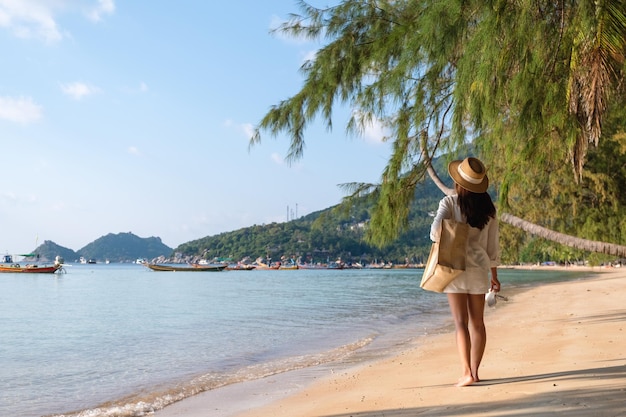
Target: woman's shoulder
[448, 207]
[449, 200]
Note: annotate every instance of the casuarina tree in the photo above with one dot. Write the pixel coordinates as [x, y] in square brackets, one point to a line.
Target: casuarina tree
[530, 85]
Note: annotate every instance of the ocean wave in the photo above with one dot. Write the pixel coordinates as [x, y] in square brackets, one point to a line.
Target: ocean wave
[144, 403]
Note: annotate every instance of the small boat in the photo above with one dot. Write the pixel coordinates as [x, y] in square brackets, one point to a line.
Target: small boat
[336, 265]
[84, 260]
[192, 268]
[290, 267]
[240, 267]
[263, 267]
[30, 268]
[312, 266]
[11, 267]
[260, 265]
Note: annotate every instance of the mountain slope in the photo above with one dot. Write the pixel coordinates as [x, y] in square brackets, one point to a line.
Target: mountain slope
[121, 247]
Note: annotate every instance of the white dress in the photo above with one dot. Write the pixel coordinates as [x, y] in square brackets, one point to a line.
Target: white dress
[483, 249]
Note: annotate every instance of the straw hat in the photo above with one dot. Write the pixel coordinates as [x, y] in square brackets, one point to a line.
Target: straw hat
[470, 174]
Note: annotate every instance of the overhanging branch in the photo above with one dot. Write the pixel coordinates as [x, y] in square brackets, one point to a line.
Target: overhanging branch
[563, 239]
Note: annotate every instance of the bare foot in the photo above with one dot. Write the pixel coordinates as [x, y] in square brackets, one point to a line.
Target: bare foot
[465, 381]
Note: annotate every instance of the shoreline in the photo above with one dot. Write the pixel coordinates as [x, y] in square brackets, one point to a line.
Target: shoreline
[552, 348]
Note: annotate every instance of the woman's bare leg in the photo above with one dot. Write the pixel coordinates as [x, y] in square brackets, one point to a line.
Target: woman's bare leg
[459, 308]
[478, 334]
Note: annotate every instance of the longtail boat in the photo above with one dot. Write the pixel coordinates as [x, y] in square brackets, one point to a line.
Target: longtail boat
[7, 265]
[193, 268]
[32, 269]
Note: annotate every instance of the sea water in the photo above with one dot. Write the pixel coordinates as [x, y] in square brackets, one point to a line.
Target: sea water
[119, 339]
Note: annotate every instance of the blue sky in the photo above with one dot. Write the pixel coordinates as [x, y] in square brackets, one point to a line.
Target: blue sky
[135, 116]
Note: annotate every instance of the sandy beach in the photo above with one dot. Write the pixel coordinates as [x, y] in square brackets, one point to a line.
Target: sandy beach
[553, 349]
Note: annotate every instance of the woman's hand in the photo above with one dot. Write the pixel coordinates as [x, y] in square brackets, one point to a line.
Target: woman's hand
[495, 283]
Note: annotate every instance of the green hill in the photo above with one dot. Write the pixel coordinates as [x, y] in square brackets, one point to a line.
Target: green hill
[325, 235]
[121, 247]
[124, 247]
[49, 250]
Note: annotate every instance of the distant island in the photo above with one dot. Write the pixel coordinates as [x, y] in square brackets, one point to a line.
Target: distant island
[121, 247]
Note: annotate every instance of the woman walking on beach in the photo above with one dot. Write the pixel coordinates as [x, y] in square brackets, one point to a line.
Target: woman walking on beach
[466, 294]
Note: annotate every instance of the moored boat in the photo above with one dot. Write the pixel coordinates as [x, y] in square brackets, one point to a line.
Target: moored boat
[30, 268]
[290, 267]
[312, 266]
[192, 268]
[338, 264]
[260, 265]
[240, 267]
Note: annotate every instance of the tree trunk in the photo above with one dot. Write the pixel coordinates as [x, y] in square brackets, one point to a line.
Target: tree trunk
[570, 241]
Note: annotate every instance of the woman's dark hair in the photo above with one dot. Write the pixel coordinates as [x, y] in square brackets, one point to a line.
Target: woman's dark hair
[476, 207]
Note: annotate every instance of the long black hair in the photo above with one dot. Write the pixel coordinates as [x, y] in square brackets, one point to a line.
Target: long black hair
[477, 208]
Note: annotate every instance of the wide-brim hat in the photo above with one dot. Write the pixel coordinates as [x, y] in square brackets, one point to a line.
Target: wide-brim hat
[470, 174]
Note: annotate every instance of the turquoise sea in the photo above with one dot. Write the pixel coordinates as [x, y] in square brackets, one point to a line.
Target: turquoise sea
[121, 340]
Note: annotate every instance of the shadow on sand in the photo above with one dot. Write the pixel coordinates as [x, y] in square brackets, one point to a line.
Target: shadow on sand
[609, 400]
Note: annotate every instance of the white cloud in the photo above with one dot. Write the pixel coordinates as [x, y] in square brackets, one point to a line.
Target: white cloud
[8, 196]
[143, 87]
[104, 7]
[278, 160]
[78, 90]
[21, 110]
[133, 150]
[309, 56]
[372, 129]
[246, 129]
[374, 132]
[15, 200]
[29, 19]
[36, 19]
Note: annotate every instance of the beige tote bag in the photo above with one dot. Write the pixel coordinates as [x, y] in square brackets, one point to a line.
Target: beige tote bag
[447, 257]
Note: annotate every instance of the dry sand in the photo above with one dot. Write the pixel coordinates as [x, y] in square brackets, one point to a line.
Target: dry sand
[554, 349]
